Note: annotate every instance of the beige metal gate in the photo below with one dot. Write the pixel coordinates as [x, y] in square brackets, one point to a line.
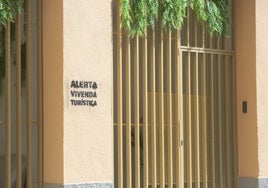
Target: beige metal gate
[21, 99]
[174, 108]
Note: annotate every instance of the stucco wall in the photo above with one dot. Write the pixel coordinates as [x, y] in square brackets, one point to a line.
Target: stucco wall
[77, 38]
[262, 83]
[251, 44]
[88, 149]
[245, 47]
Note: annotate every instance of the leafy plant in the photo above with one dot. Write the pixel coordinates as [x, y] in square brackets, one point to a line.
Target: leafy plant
[8, 10]
[152, 12]
[199, 6]
[125, 14]
[137, 15]
[224, 11]
[214, 21]
[172, 13]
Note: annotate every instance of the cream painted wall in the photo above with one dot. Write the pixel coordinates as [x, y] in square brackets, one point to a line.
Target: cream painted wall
[262, 83]
[245, 47]
[88, 142]
[53, 91]
[78, 143]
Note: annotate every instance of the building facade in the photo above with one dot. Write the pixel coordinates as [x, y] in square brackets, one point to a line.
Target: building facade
[74, 118]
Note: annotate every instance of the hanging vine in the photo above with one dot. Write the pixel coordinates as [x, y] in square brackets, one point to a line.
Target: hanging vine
[224, 11]
[214, 18]
[125, 14]
[199, 6]
[137, 15]
[152, 12]
[172, 13]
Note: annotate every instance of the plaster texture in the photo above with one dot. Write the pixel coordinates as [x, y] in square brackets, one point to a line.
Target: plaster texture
[245, 48]
[262, 89]
[77, 45]
[88, 56]
[250, 24]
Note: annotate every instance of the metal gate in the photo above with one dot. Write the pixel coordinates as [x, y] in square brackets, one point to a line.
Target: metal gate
[21, 99]
[174, 108]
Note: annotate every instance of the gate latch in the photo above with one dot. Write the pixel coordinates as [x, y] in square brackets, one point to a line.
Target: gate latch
[181, 143]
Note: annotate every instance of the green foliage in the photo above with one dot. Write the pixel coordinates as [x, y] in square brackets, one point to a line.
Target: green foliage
[223, 8]
[152, 12]
[179, 12]
[199, 6]
[214, 21]
[137, 15]
[8, 10]
[125, 14]
[172, 13]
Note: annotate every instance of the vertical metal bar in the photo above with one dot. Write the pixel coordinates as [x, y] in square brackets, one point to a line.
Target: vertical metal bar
[188, 122]
[203, 117]
[233, 83]
[29, 94]
[177, 110]
[219, 123]
[161, 109]
[196, 112]
[233, 111]
[136, 112]
[210, 40]
[196, 123]
[203, 36]
[211, 122]
[227, 102]
[169, 110]
[119, 97]
[8, 104]
[152, 109]
[226, 118]
[128, 111]
[223, 40]
[217, 42]
[195, 31]
[234, 120]
[203, 114]
[188, 108]
[180, 113]
[188, 27]
[18, 100]
[40, 94]
[145, 111]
